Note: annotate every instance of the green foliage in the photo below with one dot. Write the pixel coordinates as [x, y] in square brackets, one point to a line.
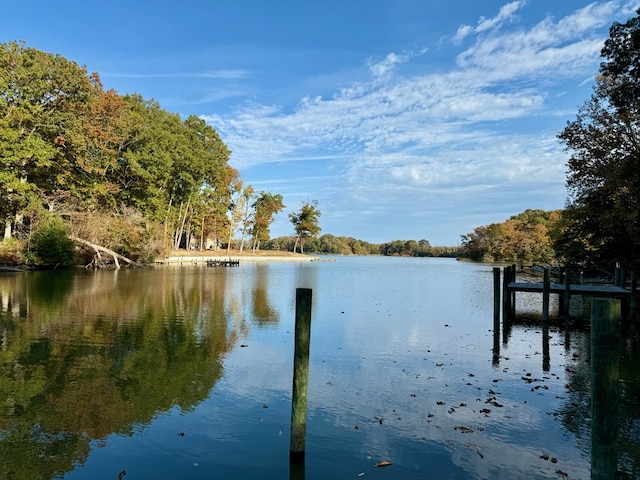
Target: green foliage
[330, 244]
[602, 223]
[50, 243]
[305, 223]
[266, 206]
[81, 151]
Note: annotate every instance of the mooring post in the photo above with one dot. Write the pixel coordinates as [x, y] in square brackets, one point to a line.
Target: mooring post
[567, 298]
[496, 297]
[496, 315]
[300, 373]
[506, 296]
[605, 358]
[546, 288]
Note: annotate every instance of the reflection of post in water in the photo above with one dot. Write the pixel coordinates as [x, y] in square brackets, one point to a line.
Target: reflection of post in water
[546, 288]
[296, 467]
[605, 354]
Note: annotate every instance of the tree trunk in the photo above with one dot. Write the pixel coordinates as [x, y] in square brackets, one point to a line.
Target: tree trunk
[295, 245]
[202, 235]
[98, 249]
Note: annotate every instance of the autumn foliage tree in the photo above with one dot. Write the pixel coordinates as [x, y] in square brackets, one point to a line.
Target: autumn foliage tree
[526, 237]
[305, 223]
[96, 158]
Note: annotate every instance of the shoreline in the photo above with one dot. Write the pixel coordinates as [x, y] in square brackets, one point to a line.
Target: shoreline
[193, 258]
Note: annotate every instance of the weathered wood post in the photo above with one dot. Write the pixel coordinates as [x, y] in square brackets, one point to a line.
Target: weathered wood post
[300, 373]
[506, 296]
[496, 315]
[567, 298]
[605, 357]
[546, 289]
[561, 296]
[496, 297]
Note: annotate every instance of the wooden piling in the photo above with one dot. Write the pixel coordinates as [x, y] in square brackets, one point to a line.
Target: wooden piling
[567, 297]
[300, 373]
[605, 355]
[546, 289]
[496, 297]
[506, 296]
[496, 315]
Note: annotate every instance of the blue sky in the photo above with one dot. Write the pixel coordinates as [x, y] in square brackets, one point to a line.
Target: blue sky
[404, 119]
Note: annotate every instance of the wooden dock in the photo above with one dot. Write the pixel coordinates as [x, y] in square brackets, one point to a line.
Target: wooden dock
[223, 263]
[607, 291]
[510, 286]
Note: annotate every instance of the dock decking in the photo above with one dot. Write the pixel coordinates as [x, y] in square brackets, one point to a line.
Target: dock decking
[510, 286]
[538, 287]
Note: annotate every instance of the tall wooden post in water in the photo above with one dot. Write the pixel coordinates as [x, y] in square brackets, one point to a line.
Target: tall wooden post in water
[605, 355]
[300, 373]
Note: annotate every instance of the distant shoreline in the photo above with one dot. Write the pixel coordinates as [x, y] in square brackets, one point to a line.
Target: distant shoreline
[183, 257]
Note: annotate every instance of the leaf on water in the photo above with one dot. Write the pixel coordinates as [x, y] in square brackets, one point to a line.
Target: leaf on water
[383, 463]
[463, 429]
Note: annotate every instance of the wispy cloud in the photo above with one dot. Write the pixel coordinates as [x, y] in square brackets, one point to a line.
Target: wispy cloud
[441, 135]
[506, 13]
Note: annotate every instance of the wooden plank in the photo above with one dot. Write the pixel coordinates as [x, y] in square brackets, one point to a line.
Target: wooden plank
[535, 287]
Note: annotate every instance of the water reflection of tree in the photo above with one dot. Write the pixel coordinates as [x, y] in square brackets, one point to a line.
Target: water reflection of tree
[576, 412]
[263, 312]
[103, 355]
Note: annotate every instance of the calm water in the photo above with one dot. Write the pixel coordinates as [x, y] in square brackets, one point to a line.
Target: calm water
[185, 373]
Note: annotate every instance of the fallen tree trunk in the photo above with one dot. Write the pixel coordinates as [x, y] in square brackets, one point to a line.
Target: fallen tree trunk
[99, 248]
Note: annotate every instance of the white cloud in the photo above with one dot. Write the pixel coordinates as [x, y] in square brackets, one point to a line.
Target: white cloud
[505, 14]
[438, 134]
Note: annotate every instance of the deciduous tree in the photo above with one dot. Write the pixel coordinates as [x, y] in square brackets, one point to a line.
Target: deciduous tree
[604, 165]
[305, 223]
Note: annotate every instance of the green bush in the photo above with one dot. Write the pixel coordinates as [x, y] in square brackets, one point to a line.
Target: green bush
[51, 245]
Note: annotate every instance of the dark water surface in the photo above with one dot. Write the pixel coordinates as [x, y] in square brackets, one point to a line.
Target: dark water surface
[185, 373]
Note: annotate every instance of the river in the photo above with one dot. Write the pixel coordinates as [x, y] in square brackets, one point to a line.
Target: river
[185, 372]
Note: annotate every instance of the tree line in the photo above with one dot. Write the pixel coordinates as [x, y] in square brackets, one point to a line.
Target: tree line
[117, 170]
[340, 245]
[121, 171]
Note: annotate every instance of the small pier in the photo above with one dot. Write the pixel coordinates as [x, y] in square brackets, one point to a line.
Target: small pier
[196, 260]
[223, 263]
[565, 289]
